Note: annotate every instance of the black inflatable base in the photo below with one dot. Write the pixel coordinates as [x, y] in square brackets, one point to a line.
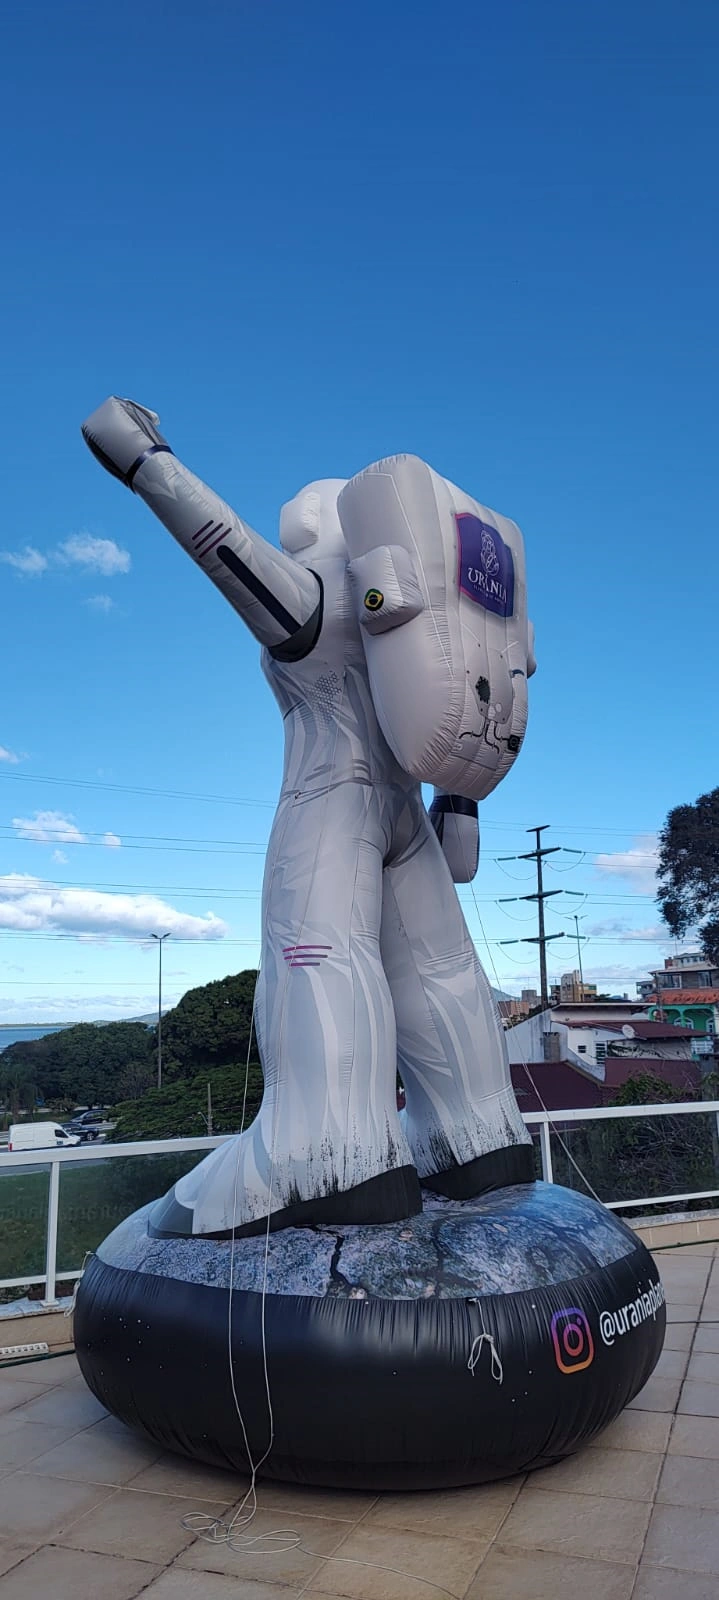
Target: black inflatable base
[377, 1392]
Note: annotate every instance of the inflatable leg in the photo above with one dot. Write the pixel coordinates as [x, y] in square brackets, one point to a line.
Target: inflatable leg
[327, 1144]
[462, 1120]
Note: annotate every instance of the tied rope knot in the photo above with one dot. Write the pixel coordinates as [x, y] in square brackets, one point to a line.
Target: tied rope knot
[475, 1354]
[69, 1311]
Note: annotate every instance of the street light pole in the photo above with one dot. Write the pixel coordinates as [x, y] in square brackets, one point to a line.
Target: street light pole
[160, 937]
[579, 955]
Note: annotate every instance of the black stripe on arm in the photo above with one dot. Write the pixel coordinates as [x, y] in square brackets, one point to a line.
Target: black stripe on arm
[302, 635]
[154, 450]
[456, 804]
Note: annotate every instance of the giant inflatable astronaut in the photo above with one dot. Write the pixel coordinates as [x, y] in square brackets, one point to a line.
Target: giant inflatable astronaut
[395, 639]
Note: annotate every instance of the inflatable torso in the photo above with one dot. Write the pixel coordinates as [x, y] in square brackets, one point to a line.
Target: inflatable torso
[326, 703]
[440, 596]
[331, 729]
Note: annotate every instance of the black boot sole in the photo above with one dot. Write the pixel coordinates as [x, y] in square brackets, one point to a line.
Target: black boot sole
[389, 1197]
[499, 1169]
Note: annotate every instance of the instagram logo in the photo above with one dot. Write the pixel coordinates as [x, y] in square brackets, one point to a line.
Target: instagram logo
[572, 1339]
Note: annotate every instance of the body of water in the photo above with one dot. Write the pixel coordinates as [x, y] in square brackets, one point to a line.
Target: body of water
[18, 1033]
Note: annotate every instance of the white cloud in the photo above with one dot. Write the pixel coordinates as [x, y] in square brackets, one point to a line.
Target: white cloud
[28, 904]
[99, 602]
[654, 933]
[38, 1007]
[615, 973]
[611, 974]
[82, 550]
[49, 827]
[638, 865]
[57, 827]
[29, 562]
[94, 555]
[9, 755]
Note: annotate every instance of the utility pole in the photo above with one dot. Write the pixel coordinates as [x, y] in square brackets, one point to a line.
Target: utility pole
[579, 956]
[542, 894]
[160, 937]
[206, 1116]
[660, 1008]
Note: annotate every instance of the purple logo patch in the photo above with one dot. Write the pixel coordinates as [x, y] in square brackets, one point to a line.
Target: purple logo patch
[486, 568]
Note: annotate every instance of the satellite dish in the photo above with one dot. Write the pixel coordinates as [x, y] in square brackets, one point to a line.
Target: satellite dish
[628, 1030]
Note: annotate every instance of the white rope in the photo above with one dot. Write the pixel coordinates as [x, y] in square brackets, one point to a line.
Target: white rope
[475, 1353]
[482, 1338]
[69, 1310]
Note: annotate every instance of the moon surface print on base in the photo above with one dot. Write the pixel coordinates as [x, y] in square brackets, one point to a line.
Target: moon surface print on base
[381, 1370]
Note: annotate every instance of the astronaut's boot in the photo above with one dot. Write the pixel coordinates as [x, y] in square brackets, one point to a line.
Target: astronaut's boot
[242, 1188]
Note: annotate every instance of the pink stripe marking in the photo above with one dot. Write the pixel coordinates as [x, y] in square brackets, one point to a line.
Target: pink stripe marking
[210, 547]
[203, 529]
[216, 527]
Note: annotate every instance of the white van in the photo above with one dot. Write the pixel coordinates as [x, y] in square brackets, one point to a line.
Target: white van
[39, 1136]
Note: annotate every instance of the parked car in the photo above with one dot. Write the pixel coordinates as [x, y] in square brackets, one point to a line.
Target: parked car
[89, 1125]
[40, 1136]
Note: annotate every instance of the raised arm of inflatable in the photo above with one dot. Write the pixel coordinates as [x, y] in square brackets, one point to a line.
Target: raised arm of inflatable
[280, 601]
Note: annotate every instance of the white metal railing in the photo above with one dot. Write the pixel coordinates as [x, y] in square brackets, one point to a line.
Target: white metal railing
[545, 1121]
[54, 1159]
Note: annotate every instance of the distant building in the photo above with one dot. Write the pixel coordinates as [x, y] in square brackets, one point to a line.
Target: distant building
[513, 1009]
[571, 988]
[690, 970]
[567, 1058]
[684, 991]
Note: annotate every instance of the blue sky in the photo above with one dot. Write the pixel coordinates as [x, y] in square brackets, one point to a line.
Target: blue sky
[311, 235]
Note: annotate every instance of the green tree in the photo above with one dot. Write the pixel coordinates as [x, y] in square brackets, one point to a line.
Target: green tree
[79, 1065]
[688, 871]
[639, 1156]
[179, 1108]
[210, 1027]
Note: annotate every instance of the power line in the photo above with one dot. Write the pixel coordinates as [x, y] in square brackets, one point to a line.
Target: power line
[542, 939]
[92, 936]
[206, 847]
[128, 788]
[20, 830]
[222, 893]
[176, 849]
[245, 800]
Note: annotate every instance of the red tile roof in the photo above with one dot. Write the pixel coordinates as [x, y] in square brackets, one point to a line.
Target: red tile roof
[609, 1026]
[684, 997]
[646, 1028]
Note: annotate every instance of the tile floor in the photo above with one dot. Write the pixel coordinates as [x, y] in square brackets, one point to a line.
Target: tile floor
[88, 1510]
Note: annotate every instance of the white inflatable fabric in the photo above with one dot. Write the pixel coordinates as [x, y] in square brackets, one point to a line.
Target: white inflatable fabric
[440, 595]
[455, 822]
[367, 963]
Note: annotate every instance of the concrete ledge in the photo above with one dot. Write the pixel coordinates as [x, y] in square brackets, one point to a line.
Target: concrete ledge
[678, 1228]
[48, 1326]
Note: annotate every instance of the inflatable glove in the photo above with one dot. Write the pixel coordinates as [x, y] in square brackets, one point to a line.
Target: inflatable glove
[280, 601]
[455, 822]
